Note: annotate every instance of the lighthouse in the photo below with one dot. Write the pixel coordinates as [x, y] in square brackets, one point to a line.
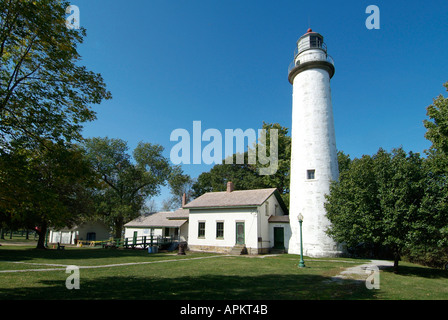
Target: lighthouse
[313, 151]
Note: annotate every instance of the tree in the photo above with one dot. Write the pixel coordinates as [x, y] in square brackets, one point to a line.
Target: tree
[437, 125]
[45, 96]
[429, 237]
[376, 200]
[44, 93]
[246, 176]
[344, 161]
[437, 134]
[400, 179]
[243, 176]
[432, 235]
[126, 184]
[49, 186]
[352, 205]
[281, 178]
[180, 184]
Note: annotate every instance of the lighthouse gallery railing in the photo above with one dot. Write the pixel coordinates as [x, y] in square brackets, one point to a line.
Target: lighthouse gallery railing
[312, 56]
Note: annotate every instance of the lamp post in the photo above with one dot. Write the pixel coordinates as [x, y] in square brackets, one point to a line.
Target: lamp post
[301, 262]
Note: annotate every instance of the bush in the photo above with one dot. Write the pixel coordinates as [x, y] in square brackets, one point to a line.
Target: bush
[370, 251]
[427, 256]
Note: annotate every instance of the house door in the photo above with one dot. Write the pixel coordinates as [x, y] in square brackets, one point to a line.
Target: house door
[240, 233]
[134, 238]
[279, 238]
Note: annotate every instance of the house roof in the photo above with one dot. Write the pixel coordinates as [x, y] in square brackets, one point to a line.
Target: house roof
[81, 224]
[178, 214]
[277, 219]
[172, 219]
[238, 198]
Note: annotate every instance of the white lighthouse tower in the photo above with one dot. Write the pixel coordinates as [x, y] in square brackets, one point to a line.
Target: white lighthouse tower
[313, 152]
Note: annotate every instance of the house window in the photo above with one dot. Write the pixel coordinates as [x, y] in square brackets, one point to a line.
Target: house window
[201, 230]
[91, 236]
[310, 174]
[220, 230]
[266, 208]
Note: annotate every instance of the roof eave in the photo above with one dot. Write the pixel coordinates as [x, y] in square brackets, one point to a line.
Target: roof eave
[225, 207]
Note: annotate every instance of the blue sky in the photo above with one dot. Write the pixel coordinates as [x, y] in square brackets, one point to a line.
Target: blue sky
[224, 63]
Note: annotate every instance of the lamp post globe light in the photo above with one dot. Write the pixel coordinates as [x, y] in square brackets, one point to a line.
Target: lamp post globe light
[301, 262]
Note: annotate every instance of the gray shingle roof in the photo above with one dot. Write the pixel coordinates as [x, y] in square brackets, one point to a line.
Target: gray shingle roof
[179, 214]
[160, 219]
[278, 219]
[238, 198]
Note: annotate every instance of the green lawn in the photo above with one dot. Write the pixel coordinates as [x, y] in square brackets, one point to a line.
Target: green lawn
[201, 276]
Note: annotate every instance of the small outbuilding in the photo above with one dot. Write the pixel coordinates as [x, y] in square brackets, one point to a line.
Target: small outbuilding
[165, 224]
[85, 232]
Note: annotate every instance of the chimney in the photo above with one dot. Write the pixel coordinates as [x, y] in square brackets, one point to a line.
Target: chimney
[230, 186]
[184, 200]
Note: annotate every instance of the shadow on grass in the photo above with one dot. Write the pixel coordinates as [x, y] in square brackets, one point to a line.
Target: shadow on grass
[206, 287]
[23, 254]
[429, 273]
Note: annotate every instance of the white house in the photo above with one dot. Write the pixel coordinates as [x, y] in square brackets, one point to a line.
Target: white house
[86, 232]
[236, 221]
[159, 224]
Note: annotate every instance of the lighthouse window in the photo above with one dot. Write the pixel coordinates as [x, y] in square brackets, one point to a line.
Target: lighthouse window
[315, 42]
[310, 174]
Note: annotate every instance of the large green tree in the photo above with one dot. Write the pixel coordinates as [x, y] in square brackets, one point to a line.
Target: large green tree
[397, 200]
[247, 176]
[433, 235]
[45, 94]
[48, 186]
[127, 182]
[280, 179]
[377, 201]
[244, 176]
[437, 124]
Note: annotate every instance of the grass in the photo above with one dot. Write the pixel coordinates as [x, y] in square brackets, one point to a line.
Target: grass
[19, 237]
[201, 276]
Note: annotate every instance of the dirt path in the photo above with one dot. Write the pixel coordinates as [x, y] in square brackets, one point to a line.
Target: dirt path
[361, 272]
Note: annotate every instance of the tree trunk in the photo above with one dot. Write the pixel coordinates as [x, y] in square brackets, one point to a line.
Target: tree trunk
[118, 227]
[118, 231]
[41, 233]
[396, 259]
